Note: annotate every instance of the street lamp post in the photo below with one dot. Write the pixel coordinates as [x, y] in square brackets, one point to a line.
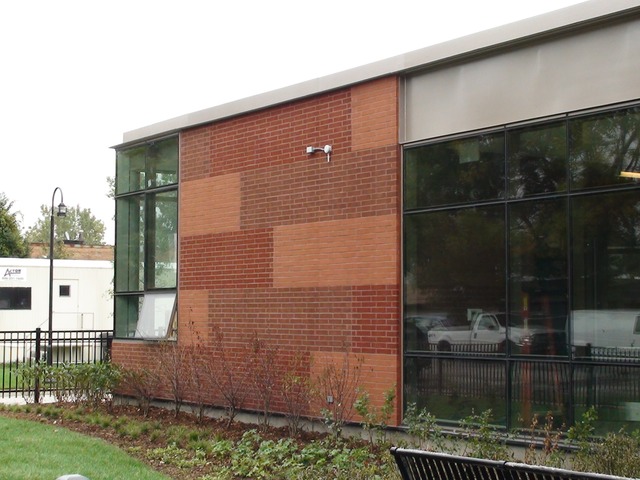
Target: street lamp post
[62, 211]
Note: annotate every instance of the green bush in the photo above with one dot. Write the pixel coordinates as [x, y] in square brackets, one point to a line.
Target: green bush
[375, 421]
[618, 453]
[424, 430]
[482, 439]
[84, 382]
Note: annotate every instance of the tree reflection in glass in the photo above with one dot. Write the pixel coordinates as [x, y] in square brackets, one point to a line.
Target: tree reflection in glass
[602, 147]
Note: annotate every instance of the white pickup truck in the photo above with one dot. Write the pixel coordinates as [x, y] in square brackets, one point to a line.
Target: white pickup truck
[487, 333]
[485, 329]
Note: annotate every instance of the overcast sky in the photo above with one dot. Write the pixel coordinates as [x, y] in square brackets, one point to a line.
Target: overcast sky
[76, 74]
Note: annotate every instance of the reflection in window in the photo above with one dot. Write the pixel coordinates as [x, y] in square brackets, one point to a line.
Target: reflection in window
[613, 390]
[537, 160]
[455, 172]
[454, 389]
[162, 163]
[606, 259]
[151, 165]
[130, 232]
[151, 315]
[155, 315]
[538, 266]
[539, 388]
[127, 308]
[603, 146]
[161, 237]
[130, 169]
[454, 265]
[558, 258]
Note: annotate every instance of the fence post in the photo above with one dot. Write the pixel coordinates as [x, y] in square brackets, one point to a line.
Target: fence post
[36, 393]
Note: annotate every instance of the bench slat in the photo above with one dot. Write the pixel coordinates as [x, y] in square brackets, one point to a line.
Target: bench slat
[423, 465]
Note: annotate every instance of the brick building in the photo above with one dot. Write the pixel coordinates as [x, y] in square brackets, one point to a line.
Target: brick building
[74, 251]
[461, 179]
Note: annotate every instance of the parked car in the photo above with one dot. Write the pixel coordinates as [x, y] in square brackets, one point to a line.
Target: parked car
[417, 327]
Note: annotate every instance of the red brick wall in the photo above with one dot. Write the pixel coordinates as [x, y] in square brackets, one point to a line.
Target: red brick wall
[301, 252]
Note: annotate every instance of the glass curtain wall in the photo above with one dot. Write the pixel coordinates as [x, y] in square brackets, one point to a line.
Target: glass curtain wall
[146, 239]
[521, 272]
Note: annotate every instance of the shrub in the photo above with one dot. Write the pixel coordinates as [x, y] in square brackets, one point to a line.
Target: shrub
[229, 377]
[296, 393]
[337, 388]
[144, 383]
[482, 439]
[423, 429]
[32, 376]
[375, 421]
[264, 374]
[172, 362]
[84, 382]
[545, 444]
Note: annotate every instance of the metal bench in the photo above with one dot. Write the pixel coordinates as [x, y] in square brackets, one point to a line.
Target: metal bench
[422, 465]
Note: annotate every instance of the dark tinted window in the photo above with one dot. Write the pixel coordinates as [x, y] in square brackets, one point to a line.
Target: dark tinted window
[15, 298]
[453, 172]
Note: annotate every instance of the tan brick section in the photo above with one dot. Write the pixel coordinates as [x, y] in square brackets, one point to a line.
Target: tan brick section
[341, 252]
[193, 306]
[210, 205]
[374, 112]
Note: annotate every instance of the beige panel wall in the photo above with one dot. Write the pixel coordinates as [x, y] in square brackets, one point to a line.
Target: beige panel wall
[341, 252]
[373, 117]
[585, 70]
[210, 205]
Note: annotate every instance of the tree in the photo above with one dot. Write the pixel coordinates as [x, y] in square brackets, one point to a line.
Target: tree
[77, 224]
[111, 184]
[12, 243]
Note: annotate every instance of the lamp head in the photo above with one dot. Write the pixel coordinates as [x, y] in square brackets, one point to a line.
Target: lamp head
[62, 210]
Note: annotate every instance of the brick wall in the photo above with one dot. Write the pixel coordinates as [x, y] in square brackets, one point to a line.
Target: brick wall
[286, 247]
[74, 252]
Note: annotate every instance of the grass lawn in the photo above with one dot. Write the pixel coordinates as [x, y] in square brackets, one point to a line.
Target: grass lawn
[9, 377]
[33, 451]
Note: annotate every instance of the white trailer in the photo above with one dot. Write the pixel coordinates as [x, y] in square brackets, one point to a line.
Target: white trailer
[82, 297]
[606, 329]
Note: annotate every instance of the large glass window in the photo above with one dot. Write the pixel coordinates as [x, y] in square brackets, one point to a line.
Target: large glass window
[534, 291]
[538, 272]
[162, 239]
[606, 262]
[130, 234]
[537, 160]
[452, 389]
[454, 268]
[458, 171]
[130, 169]
[146, 239]
[604, 147]
[127, 310]
[146, 166]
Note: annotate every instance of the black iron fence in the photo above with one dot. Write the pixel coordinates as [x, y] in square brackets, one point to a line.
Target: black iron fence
[19, 349]
[517, 386]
